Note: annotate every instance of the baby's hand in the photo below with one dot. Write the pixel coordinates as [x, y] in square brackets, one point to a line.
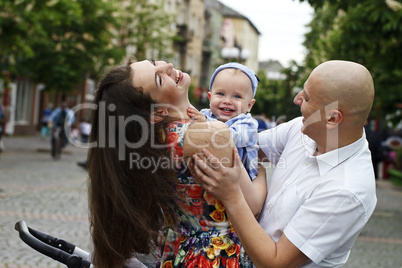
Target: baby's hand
[196, 115]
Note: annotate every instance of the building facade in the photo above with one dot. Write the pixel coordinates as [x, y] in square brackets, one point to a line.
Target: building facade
[240, 38]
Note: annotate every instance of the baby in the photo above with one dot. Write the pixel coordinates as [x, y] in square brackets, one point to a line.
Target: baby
[232, 90]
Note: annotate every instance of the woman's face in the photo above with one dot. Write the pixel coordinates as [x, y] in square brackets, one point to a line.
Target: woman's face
[161, 81]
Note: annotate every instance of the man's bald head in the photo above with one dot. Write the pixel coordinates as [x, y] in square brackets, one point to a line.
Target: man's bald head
[346, 83]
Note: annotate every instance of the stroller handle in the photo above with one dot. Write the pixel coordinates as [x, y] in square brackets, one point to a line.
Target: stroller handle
[54, 248]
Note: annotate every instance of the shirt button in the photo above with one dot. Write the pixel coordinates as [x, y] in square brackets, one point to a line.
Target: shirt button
[269, 206]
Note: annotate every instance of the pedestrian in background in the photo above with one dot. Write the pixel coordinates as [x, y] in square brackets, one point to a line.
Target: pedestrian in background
[263, 123]
[45, 131]
[2, 121]
[378, 153]
[85, 130]
[58, 120]
[4, 117]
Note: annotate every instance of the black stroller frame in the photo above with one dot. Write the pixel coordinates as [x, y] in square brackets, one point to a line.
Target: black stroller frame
[58, 249]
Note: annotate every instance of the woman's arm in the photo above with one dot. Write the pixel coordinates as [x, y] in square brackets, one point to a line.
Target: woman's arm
[255, 191]
[215, 136]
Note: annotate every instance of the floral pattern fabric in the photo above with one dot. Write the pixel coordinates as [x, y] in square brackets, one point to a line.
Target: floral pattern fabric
[204, 236]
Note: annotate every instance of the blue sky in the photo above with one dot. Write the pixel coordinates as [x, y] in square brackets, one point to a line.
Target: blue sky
[281, 24]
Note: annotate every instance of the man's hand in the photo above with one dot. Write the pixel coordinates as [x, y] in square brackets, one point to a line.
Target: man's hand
[196, 115]
[222, 182]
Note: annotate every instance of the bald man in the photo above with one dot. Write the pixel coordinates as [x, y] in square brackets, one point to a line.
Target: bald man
[322, 191]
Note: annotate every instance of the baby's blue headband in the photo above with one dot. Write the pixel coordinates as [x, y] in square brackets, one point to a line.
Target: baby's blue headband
[250, 73]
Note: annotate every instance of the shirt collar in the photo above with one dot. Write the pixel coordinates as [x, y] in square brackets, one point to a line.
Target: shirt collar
[210, 116]
[333, 158]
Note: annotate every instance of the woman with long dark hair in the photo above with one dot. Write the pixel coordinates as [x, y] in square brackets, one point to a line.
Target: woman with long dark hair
[141, 193]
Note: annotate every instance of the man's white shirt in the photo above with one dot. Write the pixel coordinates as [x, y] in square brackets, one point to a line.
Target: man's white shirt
[321, 203]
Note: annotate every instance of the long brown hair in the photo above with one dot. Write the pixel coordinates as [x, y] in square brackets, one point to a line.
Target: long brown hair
[125, 199]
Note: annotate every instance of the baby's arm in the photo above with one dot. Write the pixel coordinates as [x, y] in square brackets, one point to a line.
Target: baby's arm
[196, 115]
[244, 134]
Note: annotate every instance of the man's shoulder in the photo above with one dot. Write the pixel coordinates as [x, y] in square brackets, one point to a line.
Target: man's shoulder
[353, 179]
[295, 121]
[291, 127]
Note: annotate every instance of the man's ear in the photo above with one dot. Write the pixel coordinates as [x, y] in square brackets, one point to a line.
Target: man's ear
[334, 118]
[158, 115]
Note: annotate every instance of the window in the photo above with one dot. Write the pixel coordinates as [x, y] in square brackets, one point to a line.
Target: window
[24, 99]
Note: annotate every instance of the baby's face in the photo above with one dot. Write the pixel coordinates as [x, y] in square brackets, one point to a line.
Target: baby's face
[231, 94]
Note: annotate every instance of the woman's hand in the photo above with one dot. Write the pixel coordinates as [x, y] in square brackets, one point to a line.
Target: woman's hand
[196, 115]
[220, 181]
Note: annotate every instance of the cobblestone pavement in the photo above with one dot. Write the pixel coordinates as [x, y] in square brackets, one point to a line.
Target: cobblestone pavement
[50, 196]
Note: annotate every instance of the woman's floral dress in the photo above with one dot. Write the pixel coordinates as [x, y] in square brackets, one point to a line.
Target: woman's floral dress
[204, 236]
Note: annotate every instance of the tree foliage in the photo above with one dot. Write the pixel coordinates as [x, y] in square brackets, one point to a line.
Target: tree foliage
[145, 29]
[265, 97]
[291, 87]
[274, 97]
[59, 42]
[368, 32]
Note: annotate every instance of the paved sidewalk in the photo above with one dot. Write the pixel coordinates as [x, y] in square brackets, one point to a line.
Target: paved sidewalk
[51, 197]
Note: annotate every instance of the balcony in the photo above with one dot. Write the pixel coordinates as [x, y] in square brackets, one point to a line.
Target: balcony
[184, 34]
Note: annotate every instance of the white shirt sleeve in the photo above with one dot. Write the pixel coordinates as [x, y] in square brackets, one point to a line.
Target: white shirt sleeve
[325, 222]
[273, 141]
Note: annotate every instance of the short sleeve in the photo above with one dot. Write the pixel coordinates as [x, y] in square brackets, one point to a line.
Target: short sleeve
[326, 223]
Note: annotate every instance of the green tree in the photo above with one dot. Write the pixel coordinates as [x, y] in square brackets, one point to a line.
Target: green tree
[60, 42]
[264, 96]
[368, 32]
[291, 86]
[269, 96]
[145, 29]
[274, 97]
